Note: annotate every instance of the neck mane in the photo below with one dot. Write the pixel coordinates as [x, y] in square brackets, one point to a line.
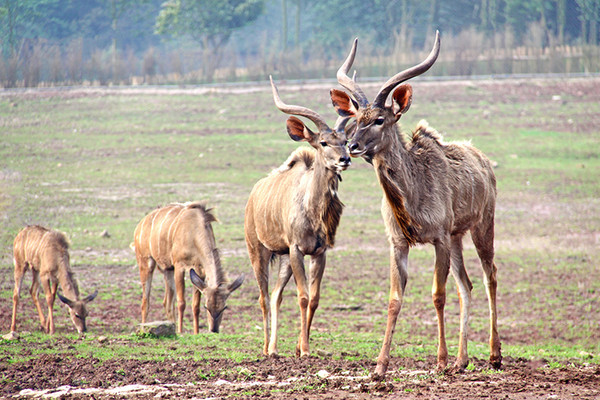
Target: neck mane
[67, 280]
[391, 168]
[214, 270]
[324, 201]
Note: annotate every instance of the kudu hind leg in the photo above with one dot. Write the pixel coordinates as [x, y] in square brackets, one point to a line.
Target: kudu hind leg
[438, 291]
[283, 277]
[259, 258]
[483, 239]
[146, 266]
[463, 287]
[19, 275]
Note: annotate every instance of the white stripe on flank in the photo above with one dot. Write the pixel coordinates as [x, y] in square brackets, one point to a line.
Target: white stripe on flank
[172, 222]
[161, 227]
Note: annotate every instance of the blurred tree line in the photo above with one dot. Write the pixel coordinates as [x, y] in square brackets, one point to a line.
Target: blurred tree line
[113, 41]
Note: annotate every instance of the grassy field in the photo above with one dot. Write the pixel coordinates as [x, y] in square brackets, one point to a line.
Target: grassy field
[86, 163]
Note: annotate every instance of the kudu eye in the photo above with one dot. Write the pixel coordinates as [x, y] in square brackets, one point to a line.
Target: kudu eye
[324, 144]
[379, 121]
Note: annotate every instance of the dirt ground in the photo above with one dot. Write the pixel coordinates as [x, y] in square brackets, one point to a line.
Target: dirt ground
[64, 375]
[285, 377]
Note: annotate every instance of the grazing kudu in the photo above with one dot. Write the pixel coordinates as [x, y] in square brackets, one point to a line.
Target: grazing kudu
[294, 212]
[434, 192]
[179, 238]
[46, 253]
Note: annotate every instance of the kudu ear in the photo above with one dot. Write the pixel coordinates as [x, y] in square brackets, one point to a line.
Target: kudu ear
[65, 300]
[344, 105]
[91, 297]
[298, 131]
[237, 283]
[402, 98]
[197, 281]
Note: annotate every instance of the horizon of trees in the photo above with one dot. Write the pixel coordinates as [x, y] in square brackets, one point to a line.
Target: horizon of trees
[109, 40]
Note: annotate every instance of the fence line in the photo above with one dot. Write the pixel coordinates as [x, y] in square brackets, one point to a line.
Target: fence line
[39, 64]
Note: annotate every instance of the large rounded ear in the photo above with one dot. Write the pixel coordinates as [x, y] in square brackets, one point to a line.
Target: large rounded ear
[197, 281]
[91, 297]
[237, 283]
[402, 99]
[344, 105]
[65, 300]
[298, 131]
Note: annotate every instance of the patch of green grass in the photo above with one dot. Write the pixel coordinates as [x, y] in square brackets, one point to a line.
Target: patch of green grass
[89, 164]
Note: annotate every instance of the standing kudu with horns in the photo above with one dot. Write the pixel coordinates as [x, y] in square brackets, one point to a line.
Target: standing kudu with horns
[294, 212]
[434, 192]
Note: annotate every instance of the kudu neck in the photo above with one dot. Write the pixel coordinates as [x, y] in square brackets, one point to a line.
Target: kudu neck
[67, 280]
[322, 202]
[323, 181]
[393, 168]
[213, 269]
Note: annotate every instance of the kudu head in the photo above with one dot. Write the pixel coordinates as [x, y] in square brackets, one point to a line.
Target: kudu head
[78, 310]
[375, 120]
[330, 144]
[215, 298]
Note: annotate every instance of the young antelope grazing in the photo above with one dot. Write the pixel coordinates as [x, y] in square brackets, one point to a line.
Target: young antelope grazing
[46, 253]
[434, 192]
[294, 212]
[179, 238]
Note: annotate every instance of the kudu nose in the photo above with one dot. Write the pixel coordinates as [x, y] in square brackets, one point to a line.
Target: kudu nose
[353, 146]
[345, 160]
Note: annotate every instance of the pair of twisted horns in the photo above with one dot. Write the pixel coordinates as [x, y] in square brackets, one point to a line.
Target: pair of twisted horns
[306, 112]
[358, 94]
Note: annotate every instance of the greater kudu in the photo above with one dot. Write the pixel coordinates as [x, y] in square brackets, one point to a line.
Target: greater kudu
[46, 253]
[434, 192]
[179, 238]
[294, 212]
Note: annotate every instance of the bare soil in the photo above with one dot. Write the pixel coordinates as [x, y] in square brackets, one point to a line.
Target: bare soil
[68, 377]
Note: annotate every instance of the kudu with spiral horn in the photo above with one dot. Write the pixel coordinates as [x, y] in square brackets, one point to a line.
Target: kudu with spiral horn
[434, 192]
[293, 212]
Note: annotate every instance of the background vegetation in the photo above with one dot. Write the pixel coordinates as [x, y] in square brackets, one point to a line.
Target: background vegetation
[72, 42]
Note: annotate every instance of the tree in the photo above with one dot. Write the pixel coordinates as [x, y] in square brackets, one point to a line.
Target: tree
[589, 16]
[19, 19]
[208, 22]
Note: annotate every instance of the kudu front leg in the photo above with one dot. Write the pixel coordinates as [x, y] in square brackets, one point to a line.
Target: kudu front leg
[398, 279]
[297, 263]
[317, 268]
[196, 298]
[34, 291]
[284, 275]
[50, 301]
[169, 298]
[179, 276]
